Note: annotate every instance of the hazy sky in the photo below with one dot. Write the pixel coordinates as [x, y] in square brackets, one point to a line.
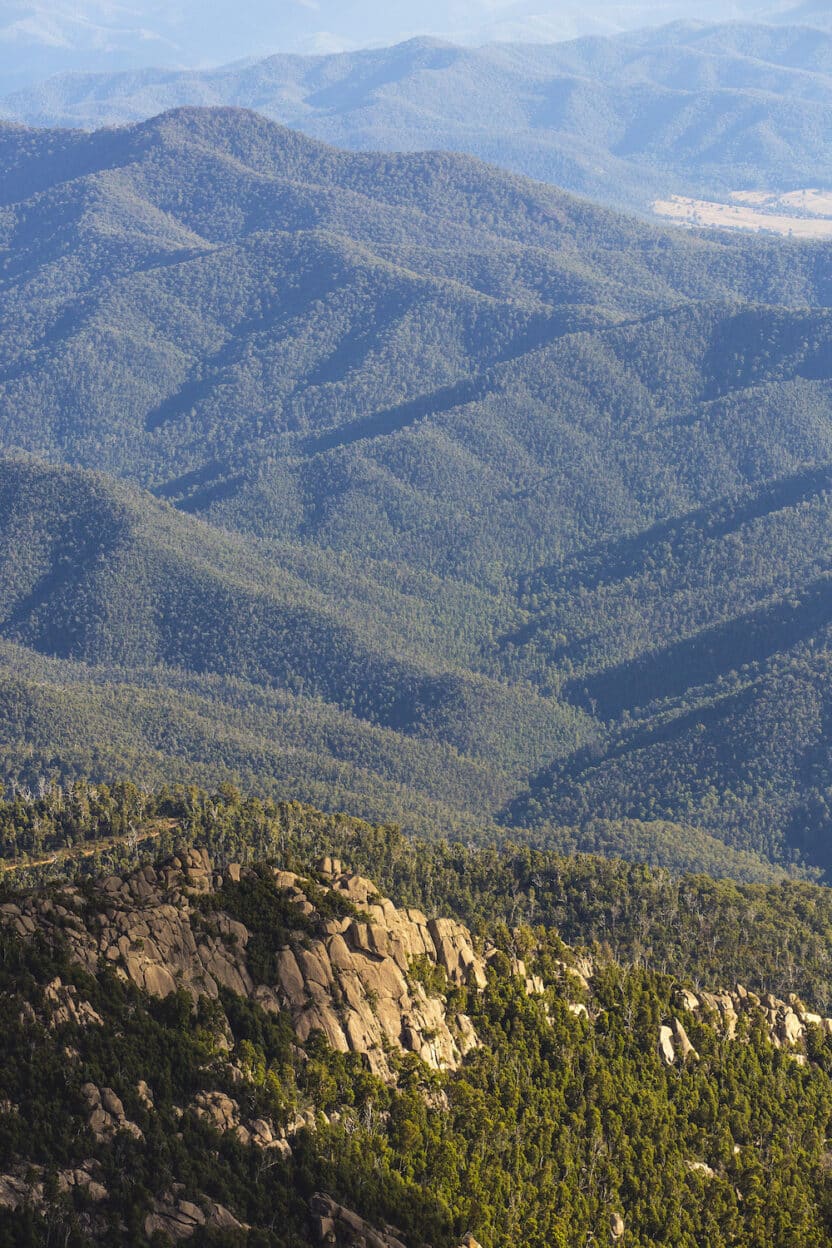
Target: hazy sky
[40, 37]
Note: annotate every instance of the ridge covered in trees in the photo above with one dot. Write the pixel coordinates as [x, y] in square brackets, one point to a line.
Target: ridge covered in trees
[691, 108]
[413, 488]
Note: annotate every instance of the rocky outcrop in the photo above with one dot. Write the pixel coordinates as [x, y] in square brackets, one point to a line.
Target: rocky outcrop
[354, 985]
[16, 1191]
[674, 1044]
[533, 983]
[356, 978]
[141, 924]
[666, 1051]
[145, 1095]
[19, 1189]
[223, 1113]
[700, 1167]
[338, 1227]
[106, 1114]
[63, 1005]
[83, 1177]
[786, 1021]
[683, 1045]
[176, 1218]
[352, 980]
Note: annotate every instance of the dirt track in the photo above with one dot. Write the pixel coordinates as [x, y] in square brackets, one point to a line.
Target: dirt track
[89, 848]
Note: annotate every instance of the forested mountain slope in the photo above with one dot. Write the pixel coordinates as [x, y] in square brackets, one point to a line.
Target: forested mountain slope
[173, 637]
[688, 108]
[419, 489]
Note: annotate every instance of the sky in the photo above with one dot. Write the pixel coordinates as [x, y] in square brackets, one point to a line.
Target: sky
[42, 37]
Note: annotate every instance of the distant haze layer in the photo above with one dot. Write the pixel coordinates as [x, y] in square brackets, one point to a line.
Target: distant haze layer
[38, 39]
[685, 110]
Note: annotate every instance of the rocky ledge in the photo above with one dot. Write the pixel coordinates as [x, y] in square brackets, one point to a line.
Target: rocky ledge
[353, 971]
[350, 977]
[787, 1022]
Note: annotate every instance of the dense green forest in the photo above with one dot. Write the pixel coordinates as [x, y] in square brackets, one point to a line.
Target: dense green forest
[413, 489]
[565, 1123]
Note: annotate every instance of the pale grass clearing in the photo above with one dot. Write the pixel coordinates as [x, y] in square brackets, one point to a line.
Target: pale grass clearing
[809, 202]
[755, 211]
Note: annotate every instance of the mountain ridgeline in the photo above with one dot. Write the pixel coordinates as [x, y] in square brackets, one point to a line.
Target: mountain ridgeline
[415, 489]
[690, 108]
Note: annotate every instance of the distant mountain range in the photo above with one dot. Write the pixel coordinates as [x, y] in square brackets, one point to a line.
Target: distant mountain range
[694, 110]
[411, 487]
[38, 39]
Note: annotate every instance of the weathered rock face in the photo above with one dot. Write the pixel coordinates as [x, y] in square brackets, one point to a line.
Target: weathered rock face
[64, 1005]
[143, 927]
[223, 1113]
[176, 1218]
[674, 1044]
[355, 978]
[786, 1021]
[666, 1050]
[22, 1188]
[354, 983]
[352, 980]
[701, 1167]
[338, 1227]
[683, 1045]
[106, 1113]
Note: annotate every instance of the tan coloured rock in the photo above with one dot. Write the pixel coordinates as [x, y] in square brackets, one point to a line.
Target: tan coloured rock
[219, 1110]
[666, 1050]
[106, 1114]
[790, 1030]
[786, 1021]
[687, 1000]
[353, 984]
[573, 975]
[25, 1186]
[16, 1192]
[144, 1094]
[455, 953]
[680, 1040]
[64, 1006]
[701, 1167]
[83, 1177]
[111, 1103]
[290, 978]
[178, 1219]
[364, 967]
[467, 1038]
[222, 1112]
